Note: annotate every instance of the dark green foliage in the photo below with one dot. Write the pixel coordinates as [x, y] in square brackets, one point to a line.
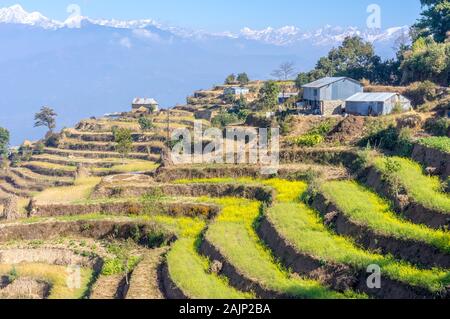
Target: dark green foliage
[392, 139]
[435, 20]
[45, 117]
[229, 98]
[146, 123]
[421, 92]
[268, 99]
[243, 78]
[438, 127]
[302, 79]
[52, 140]
[223, 119]
[427, 60]
[4, 141]
[123, 140]
[231, 79]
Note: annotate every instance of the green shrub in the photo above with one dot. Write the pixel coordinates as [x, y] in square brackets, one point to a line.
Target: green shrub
[146, 124]
[223, 119]
[404, 143]
[324, 128]
[52, 140]
[421, 92]
[438, 127]
[13, 275]
[308, 140]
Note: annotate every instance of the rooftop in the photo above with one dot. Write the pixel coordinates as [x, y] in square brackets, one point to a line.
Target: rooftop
[144, 101]
[326, 81]
[370, 97]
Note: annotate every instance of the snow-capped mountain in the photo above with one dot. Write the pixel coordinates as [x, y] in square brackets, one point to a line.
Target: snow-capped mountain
[284, 36]
[84, 66]
[17, 15]
[327, 35]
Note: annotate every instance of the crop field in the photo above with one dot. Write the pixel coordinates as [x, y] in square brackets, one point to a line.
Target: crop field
[92, 222]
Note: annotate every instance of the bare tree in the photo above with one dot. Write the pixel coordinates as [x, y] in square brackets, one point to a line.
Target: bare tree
[284, 71]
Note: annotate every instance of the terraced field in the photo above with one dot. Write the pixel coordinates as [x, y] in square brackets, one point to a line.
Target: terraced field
[91, 224]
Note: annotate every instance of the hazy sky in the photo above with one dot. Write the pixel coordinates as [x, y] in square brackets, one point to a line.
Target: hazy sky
[232, 15]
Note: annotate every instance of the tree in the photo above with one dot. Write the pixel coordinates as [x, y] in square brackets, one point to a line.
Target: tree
[302, 79]
[45, 117]
[427, 60]
[146, 124]
[435, 20]
[4, 141]
[243, 78]
[223, 119]
[231, 79]
[269, 96]
[284, 71]
[123, 140]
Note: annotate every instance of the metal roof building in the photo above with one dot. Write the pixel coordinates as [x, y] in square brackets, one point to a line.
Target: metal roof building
[148, 103]
[331, 89]
[375, 104]
[327, 95]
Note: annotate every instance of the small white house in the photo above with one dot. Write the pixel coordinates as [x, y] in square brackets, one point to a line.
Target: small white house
[375, 104]
[236, 90]
[148, 103]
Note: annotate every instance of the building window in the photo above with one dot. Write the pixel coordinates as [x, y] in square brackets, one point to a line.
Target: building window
[315, 92]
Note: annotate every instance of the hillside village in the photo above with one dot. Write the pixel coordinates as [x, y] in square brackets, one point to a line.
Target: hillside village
[77, 193]
[363, 183]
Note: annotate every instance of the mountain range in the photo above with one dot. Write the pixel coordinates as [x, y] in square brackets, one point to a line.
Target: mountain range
[83, 67]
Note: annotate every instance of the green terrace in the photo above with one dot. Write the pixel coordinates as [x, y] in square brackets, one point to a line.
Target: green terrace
[305, 230]
[440, 143]
[424, 189]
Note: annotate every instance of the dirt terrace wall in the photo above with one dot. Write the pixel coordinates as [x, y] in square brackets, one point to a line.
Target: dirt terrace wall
[167, 286]
[108, 137]
[236, 278]
[53, 256]
[330, 156]
[169, 174]
[432, 157]
[415, 252]
[97, 155]
[109, 147]
[145, 234]
[49, 171]
[69, 162]
[404, 204]
[260, 193]
[126, 208]
[338, 277]
[24, 185]
[47, 183]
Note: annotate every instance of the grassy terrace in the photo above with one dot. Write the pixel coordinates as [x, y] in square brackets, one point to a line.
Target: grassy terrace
[118, 166]
[129, 166]
[423, 189]
[304, 229]
[233, 234]
[365, 207]
[441, 143]
[80, 191]
[56, 276]
[187, 269]
[56, 167]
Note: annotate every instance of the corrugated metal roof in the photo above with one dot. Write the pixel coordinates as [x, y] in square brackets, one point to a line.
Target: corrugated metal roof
[144, 101]
[370, 97]
[326, 81]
